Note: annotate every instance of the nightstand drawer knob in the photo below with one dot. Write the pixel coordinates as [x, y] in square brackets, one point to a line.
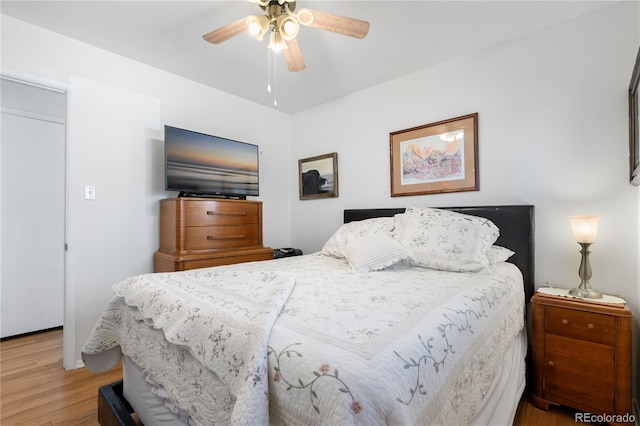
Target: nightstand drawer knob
[591, 326]
[565, 321]
[551, 364]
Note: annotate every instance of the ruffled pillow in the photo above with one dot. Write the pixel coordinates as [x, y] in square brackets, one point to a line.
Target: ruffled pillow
[497, 254]
[373, 252]
[335, 246]
[445, 240]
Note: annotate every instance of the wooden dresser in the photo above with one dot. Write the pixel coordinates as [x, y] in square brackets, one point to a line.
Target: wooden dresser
[202, 232]
[581, 355]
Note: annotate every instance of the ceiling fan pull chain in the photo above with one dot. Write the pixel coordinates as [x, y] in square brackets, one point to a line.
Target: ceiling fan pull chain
[268, 70]
[275, 79]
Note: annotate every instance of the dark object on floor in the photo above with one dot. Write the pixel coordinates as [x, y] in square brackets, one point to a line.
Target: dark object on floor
[113, 409]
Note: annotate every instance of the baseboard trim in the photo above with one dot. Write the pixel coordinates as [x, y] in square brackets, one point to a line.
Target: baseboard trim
[30, 333]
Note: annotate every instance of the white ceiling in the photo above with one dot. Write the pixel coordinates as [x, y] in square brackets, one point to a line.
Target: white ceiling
[405, 36]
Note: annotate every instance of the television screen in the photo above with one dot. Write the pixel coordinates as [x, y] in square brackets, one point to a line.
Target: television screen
[197, 164]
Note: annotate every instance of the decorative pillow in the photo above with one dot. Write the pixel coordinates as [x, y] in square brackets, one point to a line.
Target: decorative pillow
[446, 240]
[432, 212]
[335, 245]
[373, 252]
[497, 254]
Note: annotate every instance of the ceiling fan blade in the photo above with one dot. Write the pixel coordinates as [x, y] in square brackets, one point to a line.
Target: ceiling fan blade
[293, 56]
[338, 24]
[225, 33]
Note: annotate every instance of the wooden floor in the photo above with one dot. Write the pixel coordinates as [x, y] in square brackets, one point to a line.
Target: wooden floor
[528, 415]
[36, 390]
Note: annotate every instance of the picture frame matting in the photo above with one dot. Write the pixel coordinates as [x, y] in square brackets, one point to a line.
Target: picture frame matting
[435, 158]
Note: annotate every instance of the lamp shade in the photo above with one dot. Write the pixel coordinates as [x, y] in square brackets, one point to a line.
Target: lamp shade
[276, 43]
[257, 26]
[585, 228]
[287, 27]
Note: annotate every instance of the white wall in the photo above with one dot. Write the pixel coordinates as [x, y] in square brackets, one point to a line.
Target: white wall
[553, 132]
[117, 111]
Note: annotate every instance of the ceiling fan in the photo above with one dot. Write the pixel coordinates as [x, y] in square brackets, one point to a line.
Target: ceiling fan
[282, 23]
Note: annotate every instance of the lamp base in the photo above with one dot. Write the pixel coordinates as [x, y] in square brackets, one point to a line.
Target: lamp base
[585, 293]
[584, 290]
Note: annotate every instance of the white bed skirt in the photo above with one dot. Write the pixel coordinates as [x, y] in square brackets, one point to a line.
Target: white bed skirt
[498, 406]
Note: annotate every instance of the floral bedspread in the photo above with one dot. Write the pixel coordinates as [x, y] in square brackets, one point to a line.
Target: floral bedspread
[405, 345]
[216, 318]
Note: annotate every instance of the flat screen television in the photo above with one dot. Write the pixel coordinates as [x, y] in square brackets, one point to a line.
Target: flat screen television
[201, 165]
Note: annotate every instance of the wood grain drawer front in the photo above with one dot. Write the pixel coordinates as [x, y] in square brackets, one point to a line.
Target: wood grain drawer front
[221, 237]
[209, 213]
[579, 373]
[227, 260]
[580, 325]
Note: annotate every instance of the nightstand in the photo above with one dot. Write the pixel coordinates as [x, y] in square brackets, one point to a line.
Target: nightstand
[581, 355]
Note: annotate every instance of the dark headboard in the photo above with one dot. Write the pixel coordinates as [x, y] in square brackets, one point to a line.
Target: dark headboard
[516, 224]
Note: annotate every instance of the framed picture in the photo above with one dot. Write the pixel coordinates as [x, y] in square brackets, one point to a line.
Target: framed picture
[435, 158]
[318, 176]
[634, 120]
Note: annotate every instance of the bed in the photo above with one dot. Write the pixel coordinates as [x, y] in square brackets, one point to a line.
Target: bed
[406, 316]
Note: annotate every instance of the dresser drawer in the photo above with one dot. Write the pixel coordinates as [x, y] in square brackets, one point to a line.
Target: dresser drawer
[221, 237]
[580, 325]
[163, 262]
[229, 258]
[209, 213]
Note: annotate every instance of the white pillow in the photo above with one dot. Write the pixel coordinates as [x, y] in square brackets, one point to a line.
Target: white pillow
[497, 254]
[446, 240]
[373, 252]
[336, 244]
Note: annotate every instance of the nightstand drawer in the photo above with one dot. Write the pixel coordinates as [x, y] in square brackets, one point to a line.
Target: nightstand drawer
[580, 325]
[207, 213]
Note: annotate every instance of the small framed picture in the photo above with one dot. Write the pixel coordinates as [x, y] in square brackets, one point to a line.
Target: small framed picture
[318, 176]
[435, 158]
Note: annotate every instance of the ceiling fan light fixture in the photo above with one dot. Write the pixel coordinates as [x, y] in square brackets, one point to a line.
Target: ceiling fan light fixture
[276, 42]
[257, 26]
[287, 27]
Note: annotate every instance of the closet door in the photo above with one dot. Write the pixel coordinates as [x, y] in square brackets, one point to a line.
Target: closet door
[32, 150]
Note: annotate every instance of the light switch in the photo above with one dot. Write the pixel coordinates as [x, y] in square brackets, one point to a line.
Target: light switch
[89, 192]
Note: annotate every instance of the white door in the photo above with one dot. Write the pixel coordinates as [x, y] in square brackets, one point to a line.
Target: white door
[32, 197]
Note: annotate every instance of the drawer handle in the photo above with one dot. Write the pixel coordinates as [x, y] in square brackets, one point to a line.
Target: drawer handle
[212, 213]
[551, 364]
[231, 237]
[565, 321]
[591, 326]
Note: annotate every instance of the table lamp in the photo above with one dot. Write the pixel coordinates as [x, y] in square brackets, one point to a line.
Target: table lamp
[585, 229]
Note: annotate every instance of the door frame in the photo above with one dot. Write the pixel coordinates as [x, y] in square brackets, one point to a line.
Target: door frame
[70, 359]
